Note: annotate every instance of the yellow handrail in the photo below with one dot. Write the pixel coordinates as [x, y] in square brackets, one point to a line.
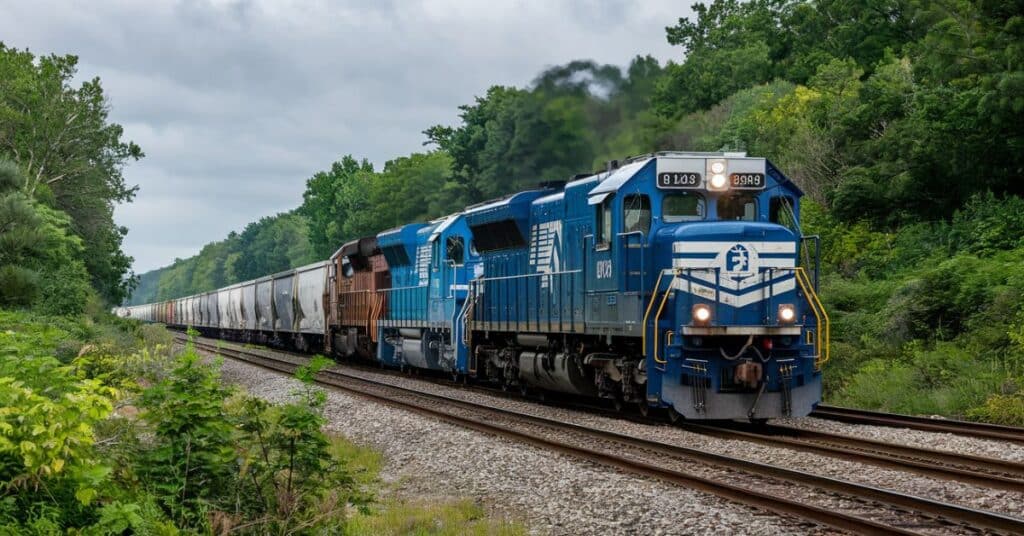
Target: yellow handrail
[657, 317]
[647, 313]
[824, 327]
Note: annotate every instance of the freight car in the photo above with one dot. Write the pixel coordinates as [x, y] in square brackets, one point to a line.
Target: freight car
[674, 281]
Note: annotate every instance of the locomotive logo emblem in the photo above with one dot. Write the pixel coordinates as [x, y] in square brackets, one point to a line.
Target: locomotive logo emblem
[739, 261]
[546, 249]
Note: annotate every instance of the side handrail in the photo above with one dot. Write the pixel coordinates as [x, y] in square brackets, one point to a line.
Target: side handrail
[823, 331]
[467, 307]
[524, 276]
[647, 313]
[657, 316]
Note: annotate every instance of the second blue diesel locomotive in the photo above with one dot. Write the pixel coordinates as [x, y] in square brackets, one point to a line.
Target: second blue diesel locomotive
[671, 281]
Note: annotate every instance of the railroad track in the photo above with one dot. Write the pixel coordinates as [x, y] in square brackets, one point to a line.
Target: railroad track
[977, 470]
[850, 506]
[952, 426]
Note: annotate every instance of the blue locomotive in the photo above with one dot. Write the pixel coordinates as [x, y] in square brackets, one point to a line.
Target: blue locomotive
[673, 280]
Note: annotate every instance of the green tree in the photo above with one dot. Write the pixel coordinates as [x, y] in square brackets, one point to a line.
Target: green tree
[39, 256]
[321, 205]
[20, 238]
[72, 154]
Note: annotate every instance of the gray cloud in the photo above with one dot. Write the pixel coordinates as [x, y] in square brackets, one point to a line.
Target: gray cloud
[237, 103]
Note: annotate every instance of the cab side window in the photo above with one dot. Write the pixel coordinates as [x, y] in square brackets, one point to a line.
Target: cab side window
[455, 248]
[781, 211]
[603, 237]
[636, 214]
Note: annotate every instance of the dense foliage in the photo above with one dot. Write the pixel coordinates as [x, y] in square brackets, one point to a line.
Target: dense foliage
[40, 256]
[71, 158]
[902, 120]
[116, 434]
[105, 430]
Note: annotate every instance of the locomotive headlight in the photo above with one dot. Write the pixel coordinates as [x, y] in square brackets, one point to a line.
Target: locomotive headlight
[717, 171]
[787, 313]
[701, 314]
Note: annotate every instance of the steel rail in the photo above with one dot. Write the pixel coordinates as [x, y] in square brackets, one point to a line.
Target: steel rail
[977, 470]
[943, 513]
[952, 426]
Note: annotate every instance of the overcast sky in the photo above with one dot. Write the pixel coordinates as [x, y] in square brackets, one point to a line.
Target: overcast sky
[236, 104]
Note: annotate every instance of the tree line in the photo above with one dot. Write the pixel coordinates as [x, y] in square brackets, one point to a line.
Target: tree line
[889, 112]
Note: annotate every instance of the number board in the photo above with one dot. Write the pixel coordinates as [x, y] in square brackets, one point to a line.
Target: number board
[680, 179]
[746, 181]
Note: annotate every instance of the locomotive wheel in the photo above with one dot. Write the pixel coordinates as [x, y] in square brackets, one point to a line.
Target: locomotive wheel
[645, 409]
[674, 416]
[618, 404]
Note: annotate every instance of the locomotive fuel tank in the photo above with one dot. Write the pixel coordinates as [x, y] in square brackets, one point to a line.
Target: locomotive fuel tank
[415, 349]
[556, 371]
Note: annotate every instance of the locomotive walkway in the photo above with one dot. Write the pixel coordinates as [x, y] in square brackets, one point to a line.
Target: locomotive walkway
[840, 504]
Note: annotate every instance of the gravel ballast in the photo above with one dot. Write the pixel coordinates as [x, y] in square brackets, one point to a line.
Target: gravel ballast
[551, 493]
[995, 500]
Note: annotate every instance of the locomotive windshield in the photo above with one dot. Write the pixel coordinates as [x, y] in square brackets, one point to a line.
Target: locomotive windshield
[738, 206]
[683, 206]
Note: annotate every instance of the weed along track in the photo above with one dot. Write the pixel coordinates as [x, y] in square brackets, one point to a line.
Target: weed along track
[824, 501]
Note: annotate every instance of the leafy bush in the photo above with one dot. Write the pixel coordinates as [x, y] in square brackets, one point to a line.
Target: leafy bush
[1001, 409]
[987, 224]
[219, 460]
[190, 463]
[51, 472]
[18, 286]
[65, 290]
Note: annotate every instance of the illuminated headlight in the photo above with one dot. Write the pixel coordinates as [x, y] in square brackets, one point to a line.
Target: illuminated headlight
[718, 170]
[787, 313]
[701, 314]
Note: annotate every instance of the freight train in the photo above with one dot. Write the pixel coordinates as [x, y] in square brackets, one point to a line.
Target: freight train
[674, 280]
